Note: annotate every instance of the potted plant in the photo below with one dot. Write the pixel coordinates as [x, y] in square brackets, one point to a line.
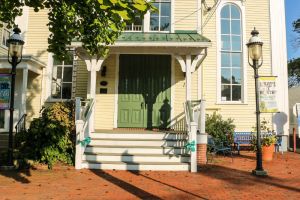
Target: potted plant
[267, 146]
[268, 141]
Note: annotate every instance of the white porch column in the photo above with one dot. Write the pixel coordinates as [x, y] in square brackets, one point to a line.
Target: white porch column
[188, 78]
[24, 91]
[93, 65]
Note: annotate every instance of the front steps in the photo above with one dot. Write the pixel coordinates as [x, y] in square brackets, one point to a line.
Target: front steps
[137, 151]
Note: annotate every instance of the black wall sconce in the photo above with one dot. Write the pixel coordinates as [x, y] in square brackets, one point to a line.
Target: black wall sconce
[103, 71]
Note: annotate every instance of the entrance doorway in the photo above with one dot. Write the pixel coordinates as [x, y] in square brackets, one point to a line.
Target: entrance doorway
[144, 91]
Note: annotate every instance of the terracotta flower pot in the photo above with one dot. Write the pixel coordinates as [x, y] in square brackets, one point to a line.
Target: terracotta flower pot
[267, 152]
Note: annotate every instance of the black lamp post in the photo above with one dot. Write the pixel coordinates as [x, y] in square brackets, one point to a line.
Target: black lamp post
[14, 57]
[255, 55]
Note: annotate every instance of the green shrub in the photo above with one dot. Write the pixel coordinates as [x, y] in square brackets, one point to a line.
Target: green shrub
[50, 138]
[222, 130]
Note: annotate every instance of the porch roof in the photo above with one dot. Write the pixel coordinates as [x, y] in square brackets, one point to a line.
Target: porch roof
[177, 39]
[28, 62]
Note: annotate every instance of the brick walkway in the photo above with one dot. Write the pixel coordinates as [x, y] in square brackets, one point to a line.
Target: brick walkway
[222, 179]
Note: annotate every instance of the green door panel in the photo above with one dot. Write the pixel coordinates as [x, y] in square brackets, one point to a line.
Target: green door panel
[144, 91]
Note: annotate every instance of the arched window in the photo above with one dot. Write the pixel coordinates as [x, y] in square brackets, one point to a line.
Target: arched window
[231, 53]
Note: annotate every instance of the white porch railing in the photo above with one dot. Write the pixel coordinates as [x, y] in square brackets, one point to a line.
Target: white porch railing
[134, 28]
[195, 122]
[83, 113]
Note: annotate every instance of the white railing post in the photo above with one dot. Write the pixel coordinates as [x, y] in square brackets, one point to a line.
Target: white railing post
[202, 118]
[77, 108]
[79, 148]
[193, 139]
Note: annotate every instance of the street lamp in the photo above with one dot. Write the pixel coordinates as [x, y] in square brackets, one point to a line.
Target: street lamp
[255, 55]
[14, 57]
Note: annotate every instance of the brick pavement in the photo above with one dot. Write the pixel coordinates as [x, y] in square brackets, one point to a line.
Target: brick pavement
[222, 179]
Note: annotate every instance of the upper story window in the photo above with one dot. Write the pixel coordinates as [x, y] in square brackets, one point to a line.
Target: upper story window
[62, 74]
[231, 53]
[5, 33]
[137, 25]
[161, 20]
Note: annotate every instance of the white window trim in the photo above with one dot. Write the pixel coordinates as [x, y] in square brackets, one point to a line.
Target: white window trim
[244, 92]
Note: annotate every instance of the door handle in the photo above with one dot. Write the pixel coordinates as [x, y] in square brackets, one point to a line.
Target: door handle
[142, 105]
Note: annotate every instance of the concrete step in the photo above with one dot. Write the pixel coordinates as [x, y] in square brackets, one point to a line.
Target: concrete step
[138, 142]
[136, 158]
[137, 166]
[139, 135]
[135, 149]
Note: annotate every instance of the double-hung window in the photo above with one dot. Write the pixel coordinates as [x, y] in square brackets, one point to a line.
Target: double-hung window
[5, 33]
[231, 54]
[161, 20]
[62, 74]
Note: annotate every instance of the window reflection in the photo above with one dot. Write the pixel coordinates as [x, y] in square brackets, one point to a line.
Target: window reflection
[161, 20]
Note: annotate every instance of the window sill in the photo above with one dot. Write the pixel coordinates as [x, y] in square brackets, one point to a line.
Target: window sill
[57, 100]
[231, 103]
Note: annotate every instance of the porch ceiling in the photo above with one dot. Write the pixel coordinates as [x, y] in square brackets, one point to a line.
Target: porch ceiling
[28, 62]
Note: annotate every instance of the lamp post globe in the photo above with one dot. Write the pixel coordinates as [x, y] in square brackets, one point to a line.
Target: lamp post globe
[255, 49]
[14, 57]
[255, 60]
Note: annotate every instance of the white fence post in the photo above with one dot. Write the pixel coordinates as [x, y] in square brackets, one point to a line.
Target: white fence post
[77, 108]
[202, 138]
[79, 148]
[193, 136]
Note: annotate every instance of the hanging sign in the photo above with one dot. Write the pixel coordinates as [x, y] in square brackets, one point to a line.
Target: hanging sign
[267, 94]
[5, 83]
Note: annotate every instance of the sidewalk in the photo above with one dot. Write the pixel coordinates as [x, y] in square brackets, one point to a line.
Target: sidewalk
[222, 179]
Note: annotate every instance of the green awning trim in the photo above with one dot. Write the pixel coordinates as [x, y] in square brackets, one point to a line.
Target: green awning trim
[162, 37]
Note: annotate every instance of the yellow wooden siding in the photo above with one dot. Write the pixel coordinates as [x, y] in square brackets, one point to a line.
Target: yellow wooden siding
[194, 88]
[185, 17]
[243, 114]
[179, 90]
[105, 103]
[33, 95]
[81, 79]
[37, 35]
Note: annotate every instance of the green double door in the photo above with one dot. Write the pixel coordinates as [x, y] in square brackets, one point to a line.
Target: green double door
[144, 91]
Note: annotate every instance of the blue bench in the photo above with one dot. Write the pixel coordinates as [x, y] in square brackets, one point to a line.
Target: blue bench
[241, 138]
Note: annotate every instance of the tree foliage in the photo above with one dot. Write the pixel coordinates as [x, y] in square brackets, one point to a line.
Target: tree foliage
[96, 23]
[294, 72]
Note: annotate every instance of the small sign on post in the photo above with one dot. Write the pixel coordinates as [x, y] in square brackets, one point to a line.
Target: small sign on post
[267, 94]
[5, 84]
